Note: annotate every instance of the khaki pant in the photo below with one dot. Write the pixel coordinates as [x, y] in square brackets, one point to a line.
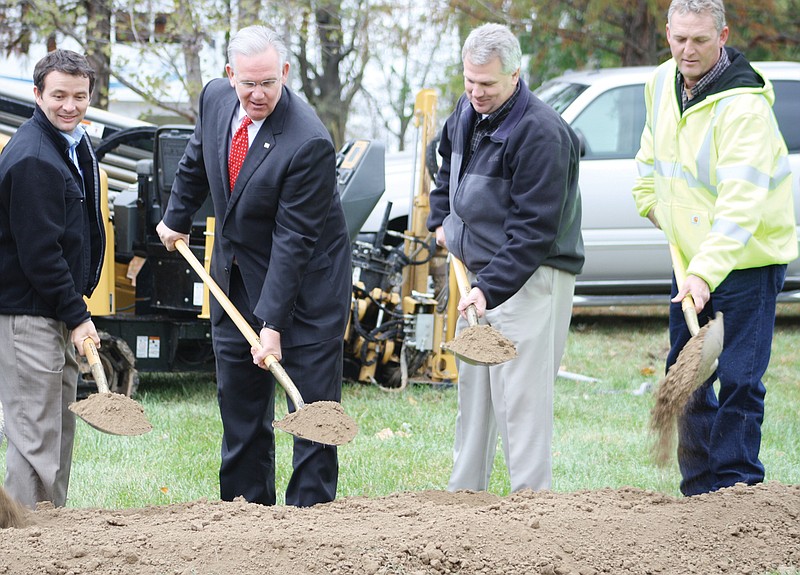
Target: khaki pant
[38, 381]
[514, 398]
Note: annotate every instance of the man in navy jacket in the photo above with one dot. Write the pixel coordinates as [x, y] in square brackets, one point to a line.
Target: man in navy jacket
[51, 253]
[506, 203]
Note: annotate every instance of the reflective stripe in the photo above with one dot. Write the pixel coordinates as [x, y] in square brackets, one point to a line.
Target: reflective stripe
[645, 170]
[659, 90]
[783, 171]
[667, 169]
[731, 230]
[704, 152]
[676, 170]
[749, 174]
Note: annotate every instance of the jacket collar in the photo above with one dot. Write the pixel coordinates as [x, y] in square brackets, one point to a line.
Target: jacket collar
[467, 114]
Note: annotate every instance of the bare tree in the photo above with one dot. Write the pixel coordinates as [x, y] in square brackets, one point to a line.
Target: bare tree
[410, 59]
[98, 48]
[330, 40]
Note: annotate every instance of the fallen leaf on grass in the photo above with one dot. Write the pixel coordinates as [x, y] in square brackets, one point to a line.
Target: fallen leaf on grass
[387, 433]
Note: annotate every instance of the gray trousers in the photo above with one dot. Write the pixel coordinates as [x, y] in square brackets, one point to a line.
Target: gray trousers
[514, 398]
[38, 381]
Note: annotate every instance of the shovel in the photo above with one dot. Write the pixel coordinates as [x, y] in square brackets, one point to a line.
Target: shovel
[108, 412]
[321, 421]
[478, 344]
[696, 362]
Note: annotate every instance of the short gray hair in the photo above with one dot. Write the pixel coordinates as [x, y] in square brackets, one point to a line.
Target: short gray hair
[489, 41]
[714, 7]
[256, 40]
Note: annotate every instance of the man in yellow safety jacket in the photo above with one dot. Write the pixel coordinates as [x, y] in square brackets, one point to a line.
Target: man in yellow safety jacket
[715, 177]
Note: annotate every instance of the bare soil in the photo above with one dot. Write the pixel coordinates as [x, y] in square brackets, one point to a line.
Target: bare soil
[740, 530]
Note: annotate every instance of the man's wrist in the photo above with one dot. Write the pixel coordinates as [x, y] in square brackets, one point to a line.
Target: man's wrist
[268, 325]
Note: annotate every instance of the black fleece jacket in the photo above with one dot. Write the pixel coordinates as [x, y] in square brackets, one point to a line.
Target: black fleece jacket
[52, 239]
[516, 204]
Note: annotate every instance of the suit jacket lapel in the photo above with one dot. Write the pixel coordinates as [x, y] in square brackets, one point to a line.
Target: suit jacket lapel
[226, 115]
[262, 145]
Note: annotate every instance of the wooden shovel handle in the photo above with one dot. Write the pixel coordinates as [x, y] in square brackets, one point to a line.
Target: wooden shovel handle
[248, 332]
[687, 305]
[93, 357]
[463, 286]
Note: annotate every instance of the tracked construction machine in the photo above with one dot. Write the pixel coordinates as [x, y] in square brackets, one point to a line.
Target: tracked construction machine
[400, 311]
[151, 308]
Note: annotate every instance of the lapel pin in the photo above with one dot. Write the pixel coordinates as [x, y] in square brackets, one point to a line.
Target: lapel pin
[266, 145]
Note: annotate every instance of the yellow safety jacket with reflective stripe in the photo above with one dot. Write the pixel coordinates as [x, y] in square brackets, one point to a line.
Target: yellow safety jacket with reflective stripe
[718, 177]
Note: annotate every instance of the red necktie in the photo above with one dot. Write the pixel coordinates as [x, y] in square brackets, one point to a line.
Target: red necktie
[239, 147]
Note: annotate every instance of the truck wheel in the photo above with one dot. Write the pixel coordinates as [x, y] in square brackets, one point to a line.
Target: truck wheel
[119, 366]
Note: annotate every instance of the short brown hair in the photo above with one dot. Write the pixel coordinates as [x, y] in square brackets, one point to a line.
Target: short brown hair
[65, 61]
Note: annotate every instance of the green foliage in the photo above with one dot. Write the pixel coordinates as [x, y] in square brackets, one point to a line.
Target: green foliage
[598, 33]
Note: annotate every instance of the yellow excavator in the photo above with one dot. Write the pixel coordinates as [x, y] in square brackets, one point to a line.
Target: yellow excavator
[152, 310]
[400, 311]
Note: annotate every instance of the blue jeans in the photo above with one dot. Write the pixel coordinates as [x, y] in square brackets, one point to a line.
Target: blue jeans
[719, 438]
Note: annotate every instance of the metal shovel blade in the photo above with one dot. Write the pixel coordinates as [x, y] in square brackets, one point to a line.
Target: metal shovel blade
[712, 348]
[320, 421]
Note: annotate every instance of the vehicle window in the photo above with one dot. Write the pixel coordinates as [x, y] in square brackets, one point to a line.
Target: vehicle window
[559, 95]
[787, 111]
[611, 126]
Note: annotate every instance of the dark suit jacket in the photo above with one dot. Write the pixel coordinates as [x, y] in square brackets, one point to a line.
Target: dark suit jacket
[283, 222]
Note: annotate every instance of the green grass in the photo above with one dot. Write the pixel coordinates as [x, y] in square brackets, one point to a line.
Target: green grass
[600, 436]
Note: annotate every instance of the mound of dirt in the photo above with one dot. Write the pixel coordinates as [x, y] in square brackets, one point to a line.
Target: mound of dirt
[740, 530]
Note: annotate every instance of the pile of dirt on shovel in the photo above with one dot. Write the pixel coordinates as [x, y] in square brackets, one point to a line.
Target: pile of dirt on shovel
[484, 343]
[321, 421]
[113, 413]
[739, 530]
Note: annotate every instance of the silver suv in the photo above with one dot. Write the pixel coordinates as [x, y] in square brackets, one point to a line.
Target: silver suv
[625, 255]
[627, 260]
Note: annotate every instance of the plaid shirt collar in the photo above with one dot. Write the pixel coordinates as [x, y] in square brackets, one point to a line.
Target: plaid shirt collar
[704, 84]
[485, 125]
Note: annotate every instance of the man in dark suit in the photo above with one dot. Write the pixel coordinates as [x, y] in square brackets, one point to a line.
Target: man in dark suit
[281, 253]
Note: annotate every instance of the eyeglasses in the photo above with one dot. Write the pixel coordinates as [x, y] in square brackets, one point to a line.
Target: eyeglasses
[250, 86]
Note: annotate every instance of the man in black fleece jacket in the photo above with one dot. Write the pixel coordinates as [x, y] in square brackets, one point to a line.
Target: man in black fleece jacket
[506, 203]
[51, 252]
